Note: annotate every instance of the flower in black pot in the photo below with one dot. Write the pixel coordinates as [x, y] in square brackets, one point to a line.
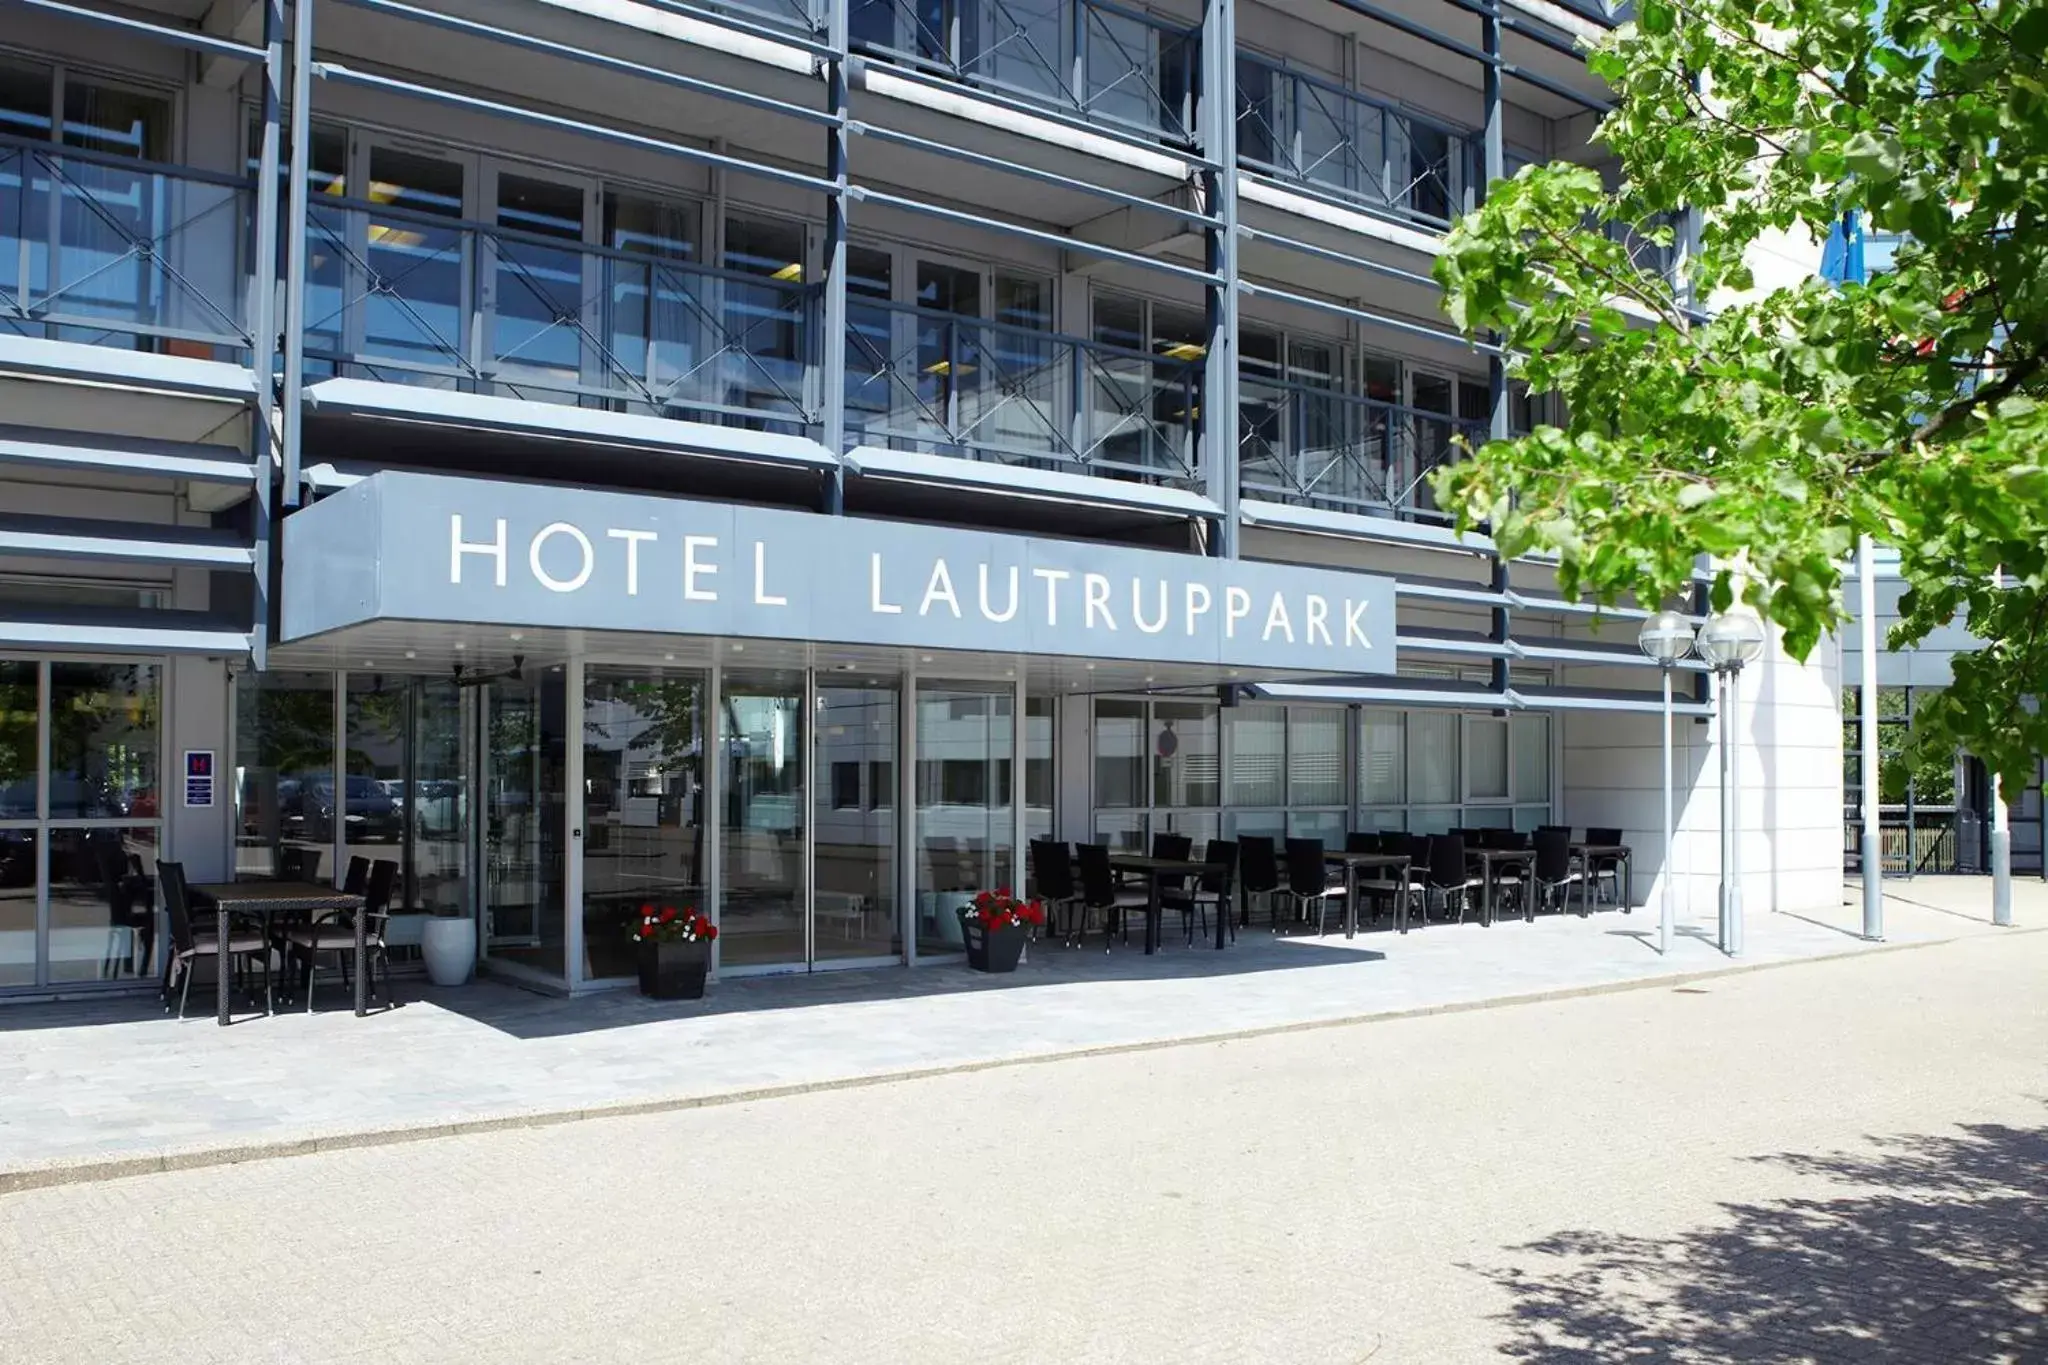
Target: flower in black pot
[994, 928]
[675, 951]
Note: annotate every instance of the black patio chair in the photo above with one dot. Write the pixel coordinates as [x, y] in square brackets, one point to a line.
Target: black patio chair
[1052, 869]
[1099, 891]
[338, 936]
[1213, 887]
[1553, 875]
[1258, 864]
[1362, 841]
[1310, 883]
[1608, 867]
[1450, 876]
[188, 945]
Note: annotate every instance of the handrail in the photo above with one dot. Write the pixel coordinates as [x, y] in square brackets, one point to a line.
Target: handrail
[1027, 333]
[1067, 69]
[115, 161]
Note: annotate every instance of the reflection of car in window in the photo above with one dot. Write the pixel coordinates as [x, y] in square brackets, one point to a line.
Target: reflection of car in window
[305, 807]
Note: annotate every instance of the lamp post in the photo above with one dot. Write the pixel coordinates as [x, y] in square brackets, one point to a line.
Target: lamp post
[1666, 637]
[1726, 642]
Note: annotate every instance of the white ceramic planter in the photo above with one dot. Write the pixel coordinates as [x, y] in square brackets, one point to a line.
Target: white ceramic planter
[448, 943]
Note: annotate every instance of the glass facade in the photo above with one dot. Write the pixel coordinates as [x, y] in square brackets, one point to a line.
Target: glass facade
[80, 754]
[966, 840]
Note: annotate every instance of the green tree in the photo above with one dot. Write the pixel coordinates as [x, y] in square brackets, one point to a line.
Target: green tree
[1773, 428]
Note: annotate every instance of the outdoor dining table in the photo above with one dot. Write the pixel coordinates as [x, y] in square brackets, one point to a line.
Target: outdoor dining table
[1586, 853]
[1351, 863]
[264, 899]
[1154, 870]
[1490, 860]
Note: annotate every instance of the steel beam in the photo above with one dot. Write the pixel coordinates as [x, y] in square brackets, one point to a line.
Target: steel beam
[177, 37]
[263, 342]
[1216, 117]
[1371, 319]
[832, 366]
[295, 259]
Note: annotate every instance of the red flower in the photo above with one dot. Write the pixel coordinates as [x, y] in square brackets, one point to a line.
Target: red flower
[668, 913]
[647, 931]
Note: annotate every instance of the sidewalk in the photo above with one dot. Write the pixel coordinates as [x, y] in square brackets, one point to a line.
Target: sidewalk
[115, 1087]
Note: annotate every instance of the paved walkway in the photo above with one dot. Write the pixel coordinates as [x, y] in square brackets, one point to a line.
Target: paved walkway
[1836, 1162]
[114, 1086]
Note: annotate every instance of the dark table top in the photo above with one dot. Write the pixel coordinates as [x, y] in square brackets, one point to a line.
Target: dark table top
[1349, 859]
[1145, 862]
[1491, 855]
[1617, 850]
[261, 895]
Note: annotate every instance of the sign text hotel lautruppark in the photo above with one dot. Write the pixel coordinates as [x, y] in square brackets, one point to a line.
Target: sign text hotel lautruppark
[423, 547]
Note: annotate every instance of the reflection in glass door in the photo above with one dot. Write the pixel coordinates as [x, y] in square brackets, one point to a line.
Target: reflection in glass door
[521, 776]
[761, 727]
[853, 913]
[966, 831]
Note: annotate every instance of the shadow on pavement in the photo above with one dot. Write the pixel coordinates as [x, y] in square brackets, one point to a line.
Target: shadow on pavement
[1934, 1250]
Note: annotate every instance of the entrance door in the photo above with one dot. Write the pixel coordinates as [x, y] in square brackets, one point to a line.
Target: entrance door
[854, 821]
[761, 827]
[519, 777]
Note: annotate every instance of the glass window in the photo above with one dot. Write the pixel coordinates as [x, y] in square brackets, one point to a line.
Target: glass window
[1433, 758]
[1022, 301]
[1486, 758]
[1120, 321]
[1119, 754]
[1038, 766]
[25, 98]
[1258, 756]
[1315, 756]
[647, 226]
[284, 749]
[965, 829]
[1184, 753]
[1381, 776]
[104, 118]
[102, 912]
[20, 690]
[764, 321]
[1531, 738]
[103, 740]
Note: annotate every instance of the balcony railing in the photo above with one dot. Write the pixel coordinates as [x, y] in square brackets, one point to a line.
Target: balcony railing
[1085, 58]
[945, 384]
[415, 298]
[112, 251]
[1317, 447]
[1302, 128]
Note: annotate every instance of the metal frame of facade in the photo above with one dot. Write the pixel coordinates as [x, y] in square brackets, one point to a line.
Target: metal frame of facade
[1210, 161]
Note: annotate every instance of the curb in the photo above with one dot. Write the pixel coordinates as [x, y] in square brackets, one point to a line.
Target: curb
[91, 1170]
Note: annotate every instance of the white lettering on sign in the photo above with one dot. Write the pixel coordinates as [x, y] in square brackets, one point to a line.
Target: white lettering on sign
[1138, 607]
[1319, 618]
[632, 539]
[540, 573]
[693, 569]
[875, 602]
[939, 589]
[762, 597]
[1277, 619]
[990, 612]
[1214, 605]
[1095, 597]
[1237, 604]
[1053, 578]
[458, 547]
[1354, 625]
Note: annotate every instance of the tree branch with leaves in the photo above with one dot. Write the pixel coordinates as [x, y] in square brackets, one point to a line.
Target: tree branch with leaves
[1787, 422]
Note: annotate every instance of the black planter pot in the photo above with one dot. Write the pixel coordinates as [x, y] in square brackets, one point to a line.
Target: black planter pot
[674, 971]
[992, 950]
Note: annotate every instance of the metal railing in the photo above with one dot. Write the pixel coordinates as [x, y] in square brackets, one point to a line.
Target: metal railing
[1085, 58]
[941, 383]
[1303, 128]
[113, 251]
[413, 298]
[1323, 448]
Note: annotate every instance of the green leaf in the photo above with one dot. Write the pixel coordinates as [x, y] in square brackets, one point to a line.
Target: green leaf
[1874, 156]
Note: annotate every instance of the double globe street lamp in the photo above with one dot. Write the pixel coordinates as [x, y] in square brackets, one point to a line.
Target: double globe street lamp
[1726, 642]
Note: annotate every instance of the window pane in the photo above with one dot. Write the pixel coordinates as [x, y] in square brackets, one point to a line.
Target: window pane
[18, 691]
[284, 744]
[18, 856]
[965, 831]
[103, 119]
[1258, 756]
[1184, 754]
[25, 101]
[1487, 761]
[103, 740]
[1038, 766]
[1432, 758]
[1119, 754]
[1380, 767]
[1022, 302]
[642, 783]
[1532, 757]
[102, 911]
[1315, 757]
